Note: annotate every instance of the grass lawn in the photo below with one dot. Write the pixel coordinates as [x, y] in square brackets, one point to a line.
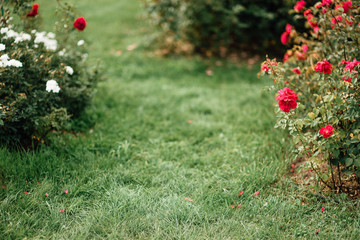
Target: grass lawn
[165, 131]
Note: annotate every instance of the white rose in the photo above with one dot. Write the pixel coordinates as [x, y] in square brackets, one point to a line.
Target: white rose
[81, 42]
[52, 86]
[69, 70]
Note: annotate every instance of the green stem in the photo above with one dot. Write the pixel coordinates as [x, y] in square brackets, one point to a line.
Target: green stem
[312, 167]
[332, 174]
[2, 8]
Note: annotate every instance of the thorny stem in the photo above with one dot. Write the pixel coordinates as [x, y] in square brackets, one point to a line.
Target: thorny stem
[321, 98]
[338, 166]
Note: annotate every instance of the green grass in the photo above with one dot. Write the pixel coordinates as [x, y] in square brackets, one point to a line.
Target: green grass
[128, 177]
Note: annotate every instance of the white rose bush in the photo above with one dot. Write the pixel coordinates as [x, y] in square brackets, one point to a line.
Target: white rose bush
[44, 80]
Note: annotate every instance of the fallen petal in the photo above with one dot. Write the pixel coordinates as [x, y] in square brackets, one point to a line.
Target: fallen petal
[132, 47]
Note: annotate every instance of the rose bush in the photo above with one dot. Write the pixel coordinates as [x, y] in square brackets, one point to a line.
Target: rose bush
[44, 79]
[322, 68]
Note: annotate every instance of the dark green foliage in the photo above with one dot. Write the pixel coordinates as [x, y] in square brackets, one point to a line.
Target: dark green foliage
[212, 25]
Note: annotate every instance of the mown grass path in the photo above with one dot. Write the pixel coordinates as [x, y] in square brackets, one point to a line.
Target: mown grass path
[165, 131]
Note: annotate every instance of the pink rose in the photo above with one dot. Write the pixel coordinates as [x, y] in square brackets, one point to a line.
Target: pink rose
[288, 28]
[299, 5]
[351, 65]
[284, 38]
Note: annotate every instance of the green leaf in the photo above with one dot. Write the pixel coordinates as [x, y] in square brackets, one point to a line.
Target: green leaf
[348, 162]
[357, 162]
[311, 115]
[336, 153]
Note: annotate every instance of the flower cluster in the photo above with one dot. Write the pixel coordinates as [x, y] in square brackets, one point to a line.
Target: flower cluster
[45, 38]
[19, 37]
[5, 61]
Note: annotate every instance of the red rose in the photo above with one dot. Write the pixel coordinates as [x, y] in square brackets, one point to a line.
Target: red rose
[326, 131]
[297, 71]
[265, 67]
[307, 12]
[34, 10]
[284, 38]
[80, 23]
[349, 22]
[347, 79]
[286, 57]
[299, 5]
[311, 21]
[287, 99]
[344, 62]
[323, 67]
[300, 56]
[326, 3]
[337, 19]
[345, 5]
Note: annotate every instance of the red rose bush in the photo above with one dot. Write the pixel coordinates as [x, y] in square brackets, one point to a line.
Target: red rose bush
[318, 90]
